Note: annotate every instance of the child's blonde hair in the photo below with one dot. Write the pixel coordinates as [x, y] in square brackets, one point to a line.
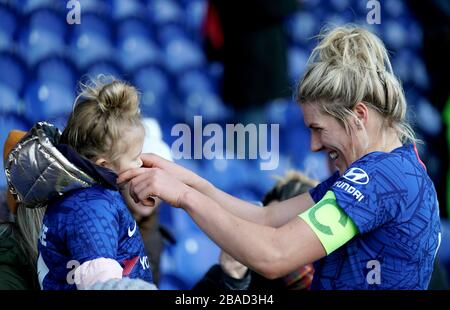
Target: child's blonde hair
[102, 111]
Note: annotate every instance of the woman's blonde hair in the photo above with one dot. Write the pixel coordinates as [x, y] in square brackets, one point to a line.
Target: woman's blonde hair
[351, 65]
[103, 108]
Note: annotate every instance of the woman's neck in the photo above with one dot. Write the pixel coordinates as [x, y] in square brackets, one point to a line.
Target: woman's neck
[386, 141]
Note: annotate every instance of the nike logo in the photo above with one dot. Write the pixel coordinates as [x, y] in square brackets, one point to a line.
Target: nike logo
[131, 232]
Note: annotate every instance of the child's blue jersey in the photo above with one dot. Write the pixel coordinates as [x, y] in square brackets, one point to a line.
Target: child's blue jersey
[83, 225]
[393, 202]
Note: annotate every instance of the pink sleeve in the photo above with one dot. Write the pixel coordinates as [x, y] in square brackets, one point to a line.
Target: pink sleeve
[97, 270]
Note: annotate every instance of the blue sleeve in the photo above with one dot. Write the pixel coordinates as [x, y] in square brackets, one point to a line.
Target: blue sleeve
[92, 228]
[371, 193]
[320, 190]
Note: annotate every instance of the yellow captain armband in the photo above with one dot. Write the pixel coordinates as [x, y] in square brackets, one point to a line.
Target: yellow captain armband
[330, 223]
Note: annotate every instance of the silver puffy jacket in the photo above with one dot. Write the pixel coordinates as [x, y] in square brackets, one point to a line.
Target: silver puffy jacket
[37, 172]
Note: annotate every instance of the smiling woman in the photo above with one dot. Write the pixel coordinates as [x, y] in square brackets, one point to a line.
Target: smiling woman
[374, 224]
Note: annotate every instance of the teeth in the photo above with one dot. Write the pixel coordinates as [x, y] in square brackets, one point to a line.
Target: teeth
[333, 155]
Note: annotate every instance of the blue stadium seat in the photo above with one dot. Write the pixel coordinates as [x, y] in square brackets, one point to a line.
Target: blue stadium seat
[49, 21]
[133, 26]
[228, 174]
[136, 51]
[284, 112]
[58, 70]
[154, 87]
[135, 46]
[9, 122]
[165, 216]
[181, 222]
[88, 48]
[194, 15]
[9, 100]
[194, 80]
[28, 6]
[36, 44]
[395, 34]
[360, 7]
[12, 71]
[402, 66]
[47, 100]
[106, 67]
[297, 140]
[103, 8]
[444, 249]
[315, 166]
[91, 41]
[95, 24]
[297, 59]
[204, 103]
[194, 254]
[162, 12]
[302, 26]
[420, 74]
[43, 36]
[340, 5]
[429, 119]
[394, 9]
[180, 53]
[8, 26]
[172, 282]
[127, 8]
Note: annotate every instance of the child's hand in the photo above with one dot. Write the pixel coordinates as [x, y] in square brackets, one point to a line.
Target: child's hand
[148, 183]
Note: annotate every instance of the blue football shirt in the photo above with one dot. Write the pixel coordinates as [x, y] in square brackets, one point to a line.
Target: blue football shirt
[84, 225]
[393, 202]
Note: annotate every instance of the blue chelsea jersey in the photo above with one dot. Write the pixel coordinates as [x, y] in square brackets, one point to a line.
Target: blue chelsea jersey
[84, 225]
[393, 202]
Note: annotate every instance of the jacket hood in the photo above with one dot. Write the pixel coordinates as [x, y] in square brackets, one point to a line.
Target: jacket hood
[37, 171]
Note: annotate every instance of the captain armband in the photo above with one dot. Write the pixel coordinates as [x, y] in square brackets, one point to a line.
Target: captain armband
[330, 223]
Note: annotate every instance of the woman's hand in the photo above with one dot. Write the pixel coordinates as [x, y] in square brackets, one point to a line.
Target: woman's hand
[147, 183]
[184, 175]
[138, 210]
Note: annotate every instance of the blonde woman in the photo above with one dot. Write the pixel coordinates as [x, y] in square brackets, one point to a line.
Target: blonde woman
[374, 224]
[88, 234]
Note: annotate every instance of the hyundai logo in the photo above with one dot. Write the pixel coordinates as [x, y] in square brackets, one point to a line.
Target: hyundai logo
[357, 175]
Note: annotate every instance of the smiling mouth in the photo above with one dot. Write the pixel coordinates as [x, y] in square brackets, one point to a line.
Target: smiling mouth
[333, 155]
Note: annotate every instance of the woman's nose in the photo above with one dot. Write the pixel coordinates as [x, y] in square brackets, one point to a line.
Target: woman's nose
[316, 144]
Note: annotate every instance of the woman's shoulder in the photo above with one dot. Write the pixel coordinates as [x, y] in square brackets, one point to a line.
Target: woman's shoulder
[397, 159]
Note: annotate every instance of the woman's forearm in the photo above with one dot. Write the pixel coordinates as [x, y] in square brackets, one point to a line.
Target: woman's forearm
[240, 208]
[267, 250]
[228, 231]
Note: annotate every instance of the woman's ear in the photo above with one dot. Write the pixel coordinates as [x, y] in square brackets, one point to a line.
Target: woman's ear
[362, 114]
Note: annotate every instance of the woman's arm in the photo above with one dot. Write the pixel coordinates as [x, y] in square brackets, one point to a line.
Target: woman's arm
[270, 251]
[272, 216]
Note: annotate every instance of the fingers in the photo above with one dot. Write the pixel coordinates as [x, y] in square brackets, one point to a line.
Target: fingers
[151, 160]
[130, 174]
[142, 187]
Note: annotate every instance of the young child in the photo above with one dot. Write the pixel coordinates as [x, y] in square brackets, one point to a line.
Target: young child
[88, 235]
